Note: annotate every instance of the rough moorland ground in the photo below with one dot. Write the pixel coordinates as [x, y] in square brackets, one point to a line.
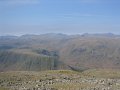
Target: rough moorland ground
[61, 80]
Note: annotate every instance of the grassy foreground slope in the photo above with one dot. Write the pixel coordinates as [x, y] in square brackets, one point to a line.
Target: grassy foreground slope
[61, 80]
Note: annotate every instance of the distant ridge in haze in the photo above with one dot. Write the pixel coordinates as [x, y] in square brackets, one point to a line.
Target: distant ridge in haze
[61, 34]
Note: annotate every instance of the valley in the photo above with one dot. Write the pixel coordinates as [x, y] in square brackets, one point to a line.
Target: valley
[60, 62]
[59, 51]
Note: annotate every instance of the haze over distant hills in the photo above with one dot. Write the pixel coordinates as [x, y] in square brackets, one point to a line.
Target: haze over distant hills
[59, 51]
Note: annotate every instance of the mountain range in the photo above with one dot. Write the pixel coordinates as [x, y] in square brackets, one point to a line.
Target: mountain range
[59, 51]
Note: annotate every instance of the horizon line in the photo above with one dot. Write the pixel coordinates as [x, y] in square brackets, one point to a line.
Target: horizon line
[109, 33]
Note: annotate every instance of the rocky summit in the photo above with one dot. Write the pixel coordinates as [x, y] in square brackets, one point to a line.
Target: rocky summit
[61, 80]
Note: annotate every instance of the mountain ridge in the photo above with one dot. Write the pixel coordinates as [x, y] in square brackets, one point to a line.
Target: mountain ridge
[77, 52]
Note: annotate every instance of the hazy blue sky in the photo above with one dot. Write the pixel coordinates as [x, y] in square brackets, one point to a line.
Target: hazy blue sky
[59, 16]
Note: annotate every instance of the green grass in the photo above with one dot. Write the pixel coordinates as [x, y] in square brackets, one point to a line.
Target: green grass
[102, 73]
[1, 88]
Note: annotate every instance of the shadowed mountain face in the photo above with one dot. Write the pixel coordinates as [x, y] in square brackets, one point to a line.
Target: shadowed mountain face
[59, 51]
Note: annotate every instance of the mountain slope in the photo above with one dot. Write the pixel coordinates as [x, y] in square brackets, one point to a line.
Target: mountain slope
[77, 52]
[22, 60]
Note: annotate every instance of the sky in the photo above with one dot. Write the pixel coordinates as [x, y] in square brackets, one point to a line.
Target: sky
[18, 17]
